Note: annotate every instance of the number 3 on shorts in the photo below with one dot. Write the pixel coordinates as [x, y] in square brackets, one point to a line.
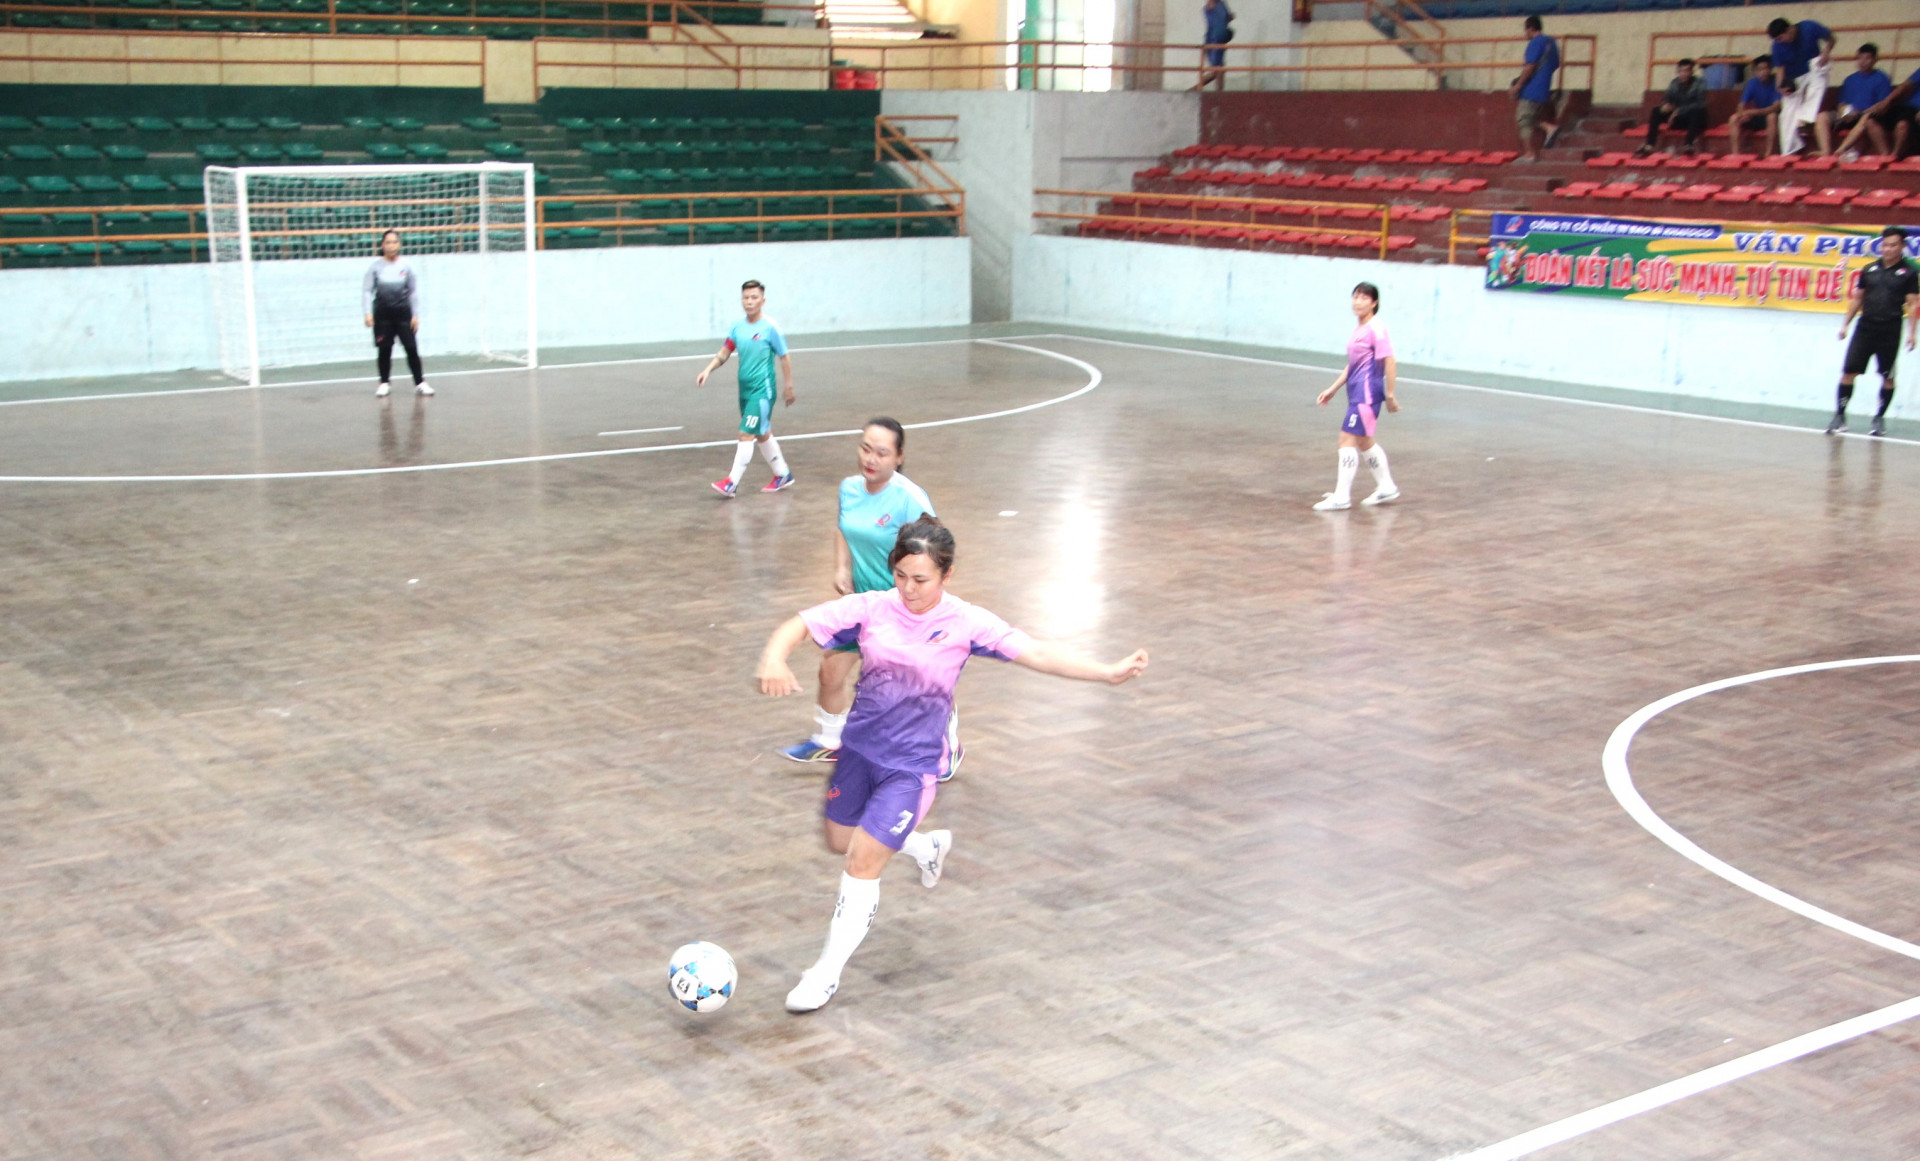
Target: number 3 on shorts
[906, 820]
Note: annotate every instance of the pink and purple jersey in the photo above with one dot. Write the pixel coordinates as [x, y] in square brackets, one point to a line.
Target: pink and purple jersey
[1367, 353]
[909, 665]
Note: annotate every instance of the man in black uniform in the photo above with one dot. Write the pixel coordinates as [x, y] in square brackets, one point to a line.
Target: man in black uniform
[1887, 290]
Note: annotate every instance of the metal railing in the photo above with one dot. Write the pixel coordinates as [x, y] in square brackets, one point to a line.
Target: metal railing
[650, 221]
[891, 143]
[1256, 215]
[615, 15]
[197, 238]
[1897, 42]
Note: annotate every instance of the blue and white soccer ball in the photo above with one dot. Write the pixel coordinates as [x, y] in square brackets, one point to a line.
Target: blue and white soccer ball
[701, 976]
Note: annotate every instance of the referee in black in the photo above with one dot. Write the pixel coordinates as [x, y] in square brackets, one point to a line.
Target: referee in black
[1887, 290]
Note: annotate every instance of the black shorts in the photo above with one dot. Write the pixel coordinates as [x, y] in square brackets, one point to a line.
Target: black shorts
[389, 323]
[1876, 341]
[1893, 115]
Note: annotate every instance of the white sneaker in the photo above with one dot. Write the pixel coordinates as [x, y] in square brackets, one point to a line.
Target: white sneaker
[930, 869]
[812, 992]
[422, 389]
[1381, 496]
[385, 390]
[1333, 503]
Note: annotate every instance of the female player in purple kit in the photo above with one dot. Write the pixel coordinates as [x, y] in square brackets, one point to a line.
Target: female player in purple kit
[914, 639]
[1369, 379]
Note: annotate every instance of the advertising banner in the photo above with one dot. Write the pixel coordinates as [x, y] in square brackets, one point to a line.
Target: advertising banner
[1705, 263]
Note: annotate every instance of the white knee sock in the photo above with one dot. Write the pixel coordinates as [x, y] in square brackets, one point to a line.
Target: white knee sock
[1377, 463]
[917, 847]
[1349, 464]
[852, 916]
[830, 725]
[742, 455]
[776, 461]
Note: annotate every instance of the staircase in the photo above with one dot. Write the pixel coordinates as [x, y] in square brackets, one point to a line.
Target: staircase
[867, 20]
[1405, 23]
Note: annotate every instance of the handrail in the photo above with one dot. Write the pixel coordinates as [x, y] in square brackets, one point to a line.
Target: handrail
[892, 143]
[1756, 39]
[1253, 206]
[264, 11]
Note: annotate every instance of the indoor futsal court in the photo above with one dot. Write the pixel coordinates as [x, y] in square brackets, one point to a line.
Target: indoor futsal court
[363, 765]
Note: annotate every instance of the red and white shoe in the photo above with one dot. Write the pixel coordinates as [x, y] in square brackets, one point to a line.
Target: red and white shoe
[726, 488]
[779, 483]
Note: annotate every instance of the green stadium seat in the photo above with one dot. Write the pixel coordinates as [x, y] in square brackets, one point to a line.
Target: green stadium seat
[366, 124]
[262, 154]
[170, 221]
[600, 149]
[73, 222]
[305, 152]
[386, 151]
[34, 20]
[626, 177]
[126, 153]
[123, 223]
[13, 124]
[240, 124]
[218, 154]
[24, 225]
[427, 151]
[31, 153]
[789, 231]
[202, 24]
[680, 124]
[406, 124]
[38, 253]
[558, 211]
[54, 124]
[725, 232]
[143, 249]
[505, 151]
[676, 151]
[191, 249]
[575, 124]
[191, 182]
[10, 187]
[106, 124]
[148, 183]
[281, 124]
[481, 124]
[50, 184]
[89, 252]
[151, 125]
[580, 235]
[610, 124]
[196, 125]
[97, 183]
[701, 177]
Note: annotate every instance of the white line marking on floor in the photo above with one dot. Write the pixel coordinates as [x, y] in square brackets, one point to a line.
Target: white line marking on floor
[642, 430]
[1613, 760]
[1509, 392]
[1094, 379]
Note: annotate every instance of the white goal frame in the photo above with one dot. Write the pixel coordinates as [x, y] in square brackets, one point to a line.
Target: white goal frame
[232, 251]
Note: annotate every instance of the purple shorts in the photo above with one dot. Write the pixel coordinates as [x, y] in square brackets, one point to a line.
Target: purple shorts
[1362, 418]
[887, 804]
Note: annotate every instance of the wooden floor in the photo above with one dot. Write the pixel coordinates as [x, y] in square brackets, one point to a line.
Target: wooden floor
[355, 816]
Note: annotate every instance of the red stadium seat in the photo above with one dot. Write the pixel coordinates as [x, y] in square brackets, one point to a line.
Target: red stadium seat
[1461, 157]
[1731, 161]
[1655, 193]
[1777, 161]
[1218, 152]
[1786, 195]
[1740, 194]
[1365, 154]
[1427, 156]
[1466, 185]
[1270, 179]
[1400, 241]
[1356, 242]
[1608, 160]
[1694, 162]
[1498, 157]
[1430, 213]
[1719, 131]
[1634, 131]
[1273, 153]
[1576, 189]
[1396, 184]
[1864, 165]
[1191, 175]
[1301, 152]
[1805, 164]
[1323, 239]
[1246, 152]
[1365, 183]
[1395, 156]
[1334, 180]
[1402, 212]
[1244, 177]
[1302, 180]
[1336, 153]
[1428, 185]
[1125, 205]
[1614, 191]
[1879, 199]
[1906, 165]
[1831, 196]
[1650, 161]
[1697, 193]
[1912, 203]
[1359, 212]
[1189, 151]
[1287, 237]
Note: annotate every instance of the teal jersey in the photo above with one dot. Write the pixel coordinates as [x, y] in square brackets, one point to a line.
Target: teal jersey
[871, 522]
[757, 344]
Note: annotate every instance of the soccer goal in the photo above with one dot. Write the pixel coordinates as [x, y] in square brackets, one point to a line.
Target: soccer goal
[290, 246]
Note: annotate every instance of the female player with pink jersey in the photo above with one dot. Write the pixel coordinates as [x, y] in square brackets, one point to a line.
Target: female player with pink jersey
[1369, 381]
[914, 639]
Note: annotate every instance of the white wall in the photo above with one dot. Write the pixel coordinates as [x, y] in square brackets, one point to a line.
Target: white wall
[1012, 143]
[130, 320]
[1440, 316]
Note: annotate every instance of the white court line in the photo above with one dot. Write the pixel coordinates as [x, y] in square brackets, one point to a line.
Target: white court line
[641, 430]
[1506, 391]
[1613, 760]
[1094, 378]
[447, 374]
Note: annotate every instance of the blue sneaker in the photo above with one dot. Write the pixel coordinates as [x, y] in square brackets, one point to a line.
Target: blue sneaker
[726, 488]
[807, 751]
[779, 483]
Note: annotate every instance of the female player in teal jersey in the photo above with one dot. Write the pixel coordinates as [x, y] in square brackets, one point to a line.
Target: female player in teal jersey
[761, 347]
[874, 506]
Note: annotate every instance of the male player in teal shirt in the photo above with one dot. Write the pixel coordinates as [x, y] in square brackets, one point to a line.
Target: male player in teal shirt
[761, 346]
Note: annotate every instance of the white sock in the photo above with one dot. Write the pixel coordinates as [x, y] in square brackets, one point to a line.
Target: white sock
[1349, 464]
[776, 461]
[1377, 464]
[852, 917]
[828, 734]
[742, 455]
[917, 847]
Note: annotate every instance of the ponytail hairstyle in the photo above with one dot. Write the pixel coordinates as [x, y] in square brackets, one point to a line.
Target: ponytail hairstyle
[924, 537]
[893, 425]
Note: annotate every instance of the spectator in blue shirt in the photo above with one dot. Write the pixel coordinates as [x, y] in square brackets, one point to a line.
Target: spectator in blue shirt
[1533, 90]
[1800, 55]
[1759, 102]
[1213, 58]
[1863, 89]
[1898, 113]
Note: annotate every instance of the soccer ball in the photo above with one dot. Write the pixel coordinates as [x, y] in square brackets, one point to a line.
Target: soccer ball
[701, 977]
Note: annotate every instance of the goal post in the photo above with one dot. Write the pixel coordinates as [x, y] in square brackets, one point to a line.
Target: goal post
[291, 244]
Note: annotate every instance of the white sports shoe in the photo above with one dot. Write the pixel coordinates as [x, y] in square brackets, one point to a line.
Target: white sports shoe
[422, 389]
[811, 993]
[1333, 503]
[1381, 496]
[942, 841]
[385, 390]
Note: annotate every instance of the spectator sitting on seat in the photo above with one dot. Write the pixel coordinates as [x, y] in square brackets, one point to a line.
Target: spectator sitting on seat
[1759, 102]
[1893, 115]
[1800, 55]
[1533, 91]
[1863, 89]
[1685, 108]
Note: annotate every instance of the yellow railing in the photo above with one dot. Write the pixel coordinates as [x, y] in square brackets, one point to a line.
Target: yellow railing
[1898, 43]
[1246, 213]
[891, 143]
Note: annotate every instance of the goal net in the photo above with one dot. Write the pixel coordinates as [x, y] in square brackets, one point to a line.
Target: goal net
[290, 246]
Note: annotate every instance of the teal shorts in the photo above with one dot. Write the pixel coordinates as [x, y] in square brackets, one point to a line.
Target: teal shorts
[756, 414]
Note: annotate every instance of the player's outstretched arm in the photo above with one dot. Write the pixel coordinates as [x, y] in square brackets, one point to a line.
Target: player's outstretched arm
[775, 675]
[714, 364]
[1328, 393]
[1047, 657]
